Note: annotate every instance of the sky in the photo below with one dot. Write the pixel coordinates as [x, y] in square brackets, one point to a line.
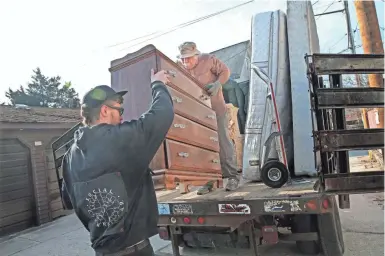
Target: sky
[77, 40]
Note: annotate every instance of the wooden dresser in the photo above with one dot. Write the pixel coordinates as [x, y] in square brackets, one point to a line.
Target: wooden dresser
[189, 155]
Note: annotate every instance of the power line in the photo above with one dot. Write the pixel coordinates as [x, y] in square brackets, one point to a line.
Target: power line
[343, 50]
[324, 12]
[356, 47]
[190, 23]
[183, 25]
[338, 40]
[159, 31]
[327, 8]
[140, 37]
[324, 4]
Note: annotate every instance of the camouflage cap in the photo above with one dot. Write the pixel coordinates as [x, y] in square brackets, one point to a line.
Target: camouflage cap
[98, 95]
[188, 49]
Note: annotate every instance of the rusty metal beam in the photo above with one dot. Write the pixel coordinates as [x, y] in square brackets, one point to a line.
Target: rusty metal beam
[65, 138]
[62, 143]
[326, 64]
[354, 183]
[343, 140]
[350, 97]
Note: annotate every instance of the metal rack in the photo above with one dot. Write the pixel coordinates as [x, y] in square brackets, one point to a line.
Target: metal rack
[59, 147]
[332, 139]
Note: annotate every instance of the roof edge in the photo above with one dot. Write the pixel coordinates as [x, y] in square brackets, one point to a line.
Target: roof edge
[36, 125]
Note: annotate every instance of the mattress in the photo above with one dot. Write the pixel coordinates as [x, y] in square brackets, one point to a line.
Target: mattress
[302, 39]
[269, 55]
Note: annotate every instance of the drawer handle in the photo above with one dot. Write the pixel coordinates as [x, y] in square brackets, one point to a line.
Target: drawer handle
[171, 73]
[177, 99]
[211, 117]
[215, 161]
[182, 126]
[183, 154]
[214, 138]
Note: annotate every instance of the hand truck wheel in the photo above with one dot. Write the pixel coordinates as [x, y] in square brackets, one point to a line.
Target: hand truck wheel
[274, 174]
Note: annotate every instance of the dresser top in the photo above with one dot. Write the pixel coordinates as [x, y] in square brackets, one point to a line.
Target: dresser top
[130, 56]
[144, 52]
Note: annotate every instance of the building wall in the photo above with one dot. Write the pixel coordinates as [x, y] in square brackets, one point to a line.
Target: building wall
[353, 118]
[46, 190]
[373, 120]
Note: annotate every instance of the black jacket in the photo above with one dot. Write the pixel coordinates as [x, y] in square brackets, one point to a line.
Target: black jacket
[106, 178]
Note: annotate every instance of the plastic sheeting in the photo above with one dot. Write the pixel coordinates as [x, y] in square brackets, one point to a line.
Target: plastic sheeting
[302, 39]
[269, 54]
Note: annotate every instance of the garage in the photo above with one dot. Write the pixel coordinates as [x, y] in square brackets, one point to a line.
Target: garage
[29, 191]
[16, 190]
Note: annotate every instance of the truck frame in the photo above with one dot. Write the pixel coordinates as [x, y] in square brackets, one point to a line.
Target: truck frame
[304, 210]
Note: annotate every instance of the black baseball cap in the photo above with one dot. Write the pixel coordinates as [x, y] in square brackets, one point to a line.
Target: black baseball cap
[99, 94]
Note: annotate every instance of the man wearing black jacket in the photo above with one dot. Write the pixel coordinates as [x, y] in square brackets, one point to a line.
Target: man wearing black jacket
[106, 178]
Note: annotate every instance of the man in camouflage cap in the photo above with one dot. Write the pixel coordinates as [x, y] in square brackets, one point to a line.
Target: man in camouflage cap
[213, 73]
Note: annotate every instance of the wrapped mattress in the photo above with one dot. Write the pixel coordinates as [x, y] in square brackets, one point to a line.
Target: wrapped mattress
[303, 39]
[269, 55]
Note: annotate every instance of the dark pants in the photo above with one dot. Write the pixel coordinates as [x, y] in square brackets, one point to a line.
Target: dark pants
[226, 152]
[146, 251]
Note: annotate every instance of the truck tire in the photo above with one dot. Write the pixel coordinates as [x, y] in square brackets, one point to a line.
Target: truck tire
[330, 232]
[274, 174]
[306, 224]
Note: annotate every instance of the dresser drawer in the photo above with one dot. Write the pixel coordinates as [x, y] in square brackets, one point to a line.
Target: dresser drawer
[158, 162]
[187, 131]
[185, 157]
[184, 83]
[193, 110]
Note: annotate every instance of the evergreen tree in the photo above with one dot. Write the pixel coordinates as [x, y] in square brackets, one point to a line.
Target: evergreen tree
[45, 92]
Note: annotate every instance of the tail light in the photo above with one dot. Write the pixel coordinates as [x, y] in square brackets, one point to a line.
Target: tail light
[201, 220]
[325, 204]
[312, 205]
[186, 220]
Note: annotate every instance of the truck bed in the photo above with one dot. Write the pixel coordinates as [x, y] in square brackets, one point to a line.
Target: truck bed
[248, 191]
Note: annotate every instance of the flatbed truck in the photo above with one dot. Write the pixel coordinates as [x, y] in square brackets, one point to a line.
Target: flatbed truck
[304, 210]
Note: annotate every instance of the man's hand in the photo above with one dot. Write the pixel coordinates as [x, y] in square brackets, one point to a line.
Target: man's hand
[162, 76]
[213, 88]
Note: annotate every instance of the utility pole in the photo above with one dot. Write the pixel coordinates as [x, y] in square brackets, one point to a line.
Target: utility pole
[351, 43]
[352, 47]
[371, 41]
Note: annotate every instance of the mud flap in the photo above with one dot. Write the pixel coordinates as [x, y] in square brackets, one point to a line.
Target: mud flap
[330, 232]
[270, 234]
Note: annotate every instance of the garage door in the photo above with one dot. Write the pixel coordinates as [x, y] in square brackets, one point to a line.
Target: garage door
[16, 196]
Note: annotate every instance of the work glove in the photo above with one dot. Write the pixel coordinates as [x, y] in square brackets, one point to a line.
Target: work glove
[213, 88]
